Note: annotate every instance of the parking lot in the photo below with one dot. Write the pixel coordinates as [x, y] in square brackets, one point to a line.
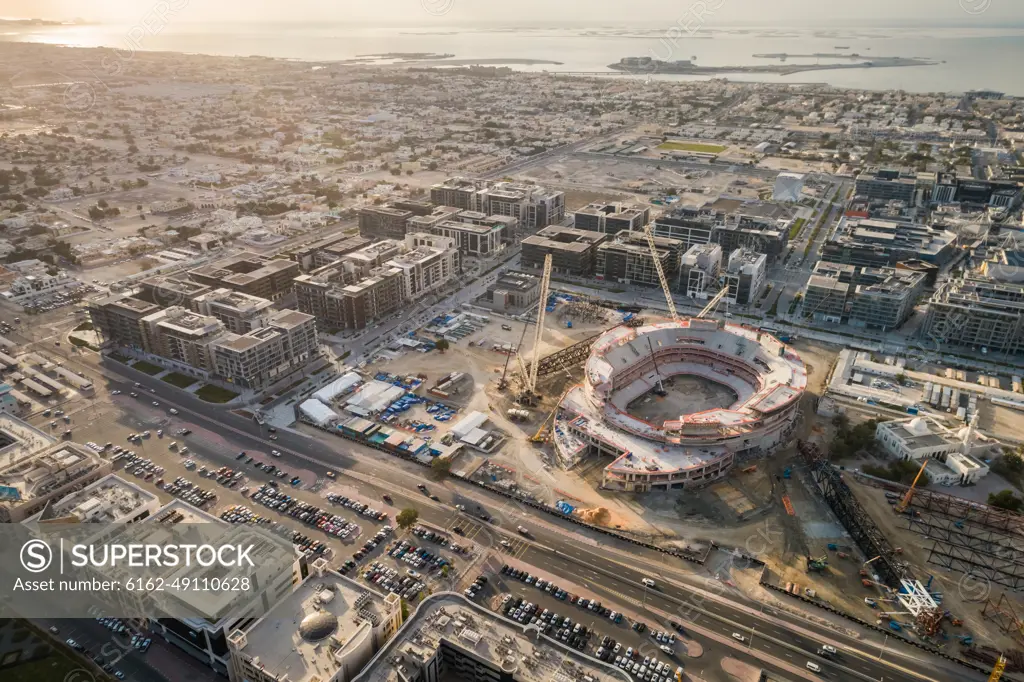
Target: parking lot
[648, 654]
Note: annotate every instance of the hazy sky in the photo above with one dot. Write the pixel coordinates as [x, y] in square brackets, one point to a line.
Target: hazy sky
[427, 13]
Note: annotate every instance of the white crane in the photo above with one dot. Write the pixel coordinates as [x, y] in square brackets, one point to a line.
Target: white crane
[661, 274]
[713, 303]
[542, 306]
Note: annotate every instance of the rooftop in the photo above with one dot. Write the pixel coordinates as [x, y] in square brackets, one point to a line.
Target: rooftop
[448, 619]
[109, 500]
[47, 470]
[309, 634]
[565, 238]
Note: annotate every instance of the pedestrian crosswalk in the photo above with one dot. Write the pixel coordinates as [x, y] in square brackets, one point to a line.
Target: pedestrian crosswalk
[485, 535]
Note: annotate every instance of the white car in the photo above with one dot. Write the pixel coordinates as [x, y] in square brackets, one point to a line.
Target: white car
[738, 637]
[275, 453]
[173, 411]
[156, 404]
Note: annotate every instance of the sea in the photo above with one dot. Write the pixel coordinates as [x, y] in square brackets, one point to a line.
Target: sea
[967, 58]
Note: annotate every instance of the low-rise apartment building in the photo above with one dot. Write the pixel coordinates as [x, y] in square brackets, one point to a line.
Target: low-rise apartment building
[250, 273]
[745, 276]
[611, 218]
[980, 314]
[383, 222]
[118, 320]
[874, 298]
[627, 258]
[573, 252]
[873, 242]
[699, 270]
[480, 241]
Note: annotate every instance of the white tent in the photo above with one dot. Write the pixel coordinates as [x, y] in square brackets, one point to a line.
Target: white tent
[338, 387]
[318, 413]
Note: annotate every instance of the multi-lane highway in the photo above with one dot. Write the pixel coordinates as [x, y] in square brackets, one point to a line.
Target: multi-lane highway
[612, 567]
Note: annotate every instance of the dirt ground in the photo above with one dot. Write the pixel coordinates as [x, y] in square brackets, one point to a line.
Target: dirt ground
[963, 596]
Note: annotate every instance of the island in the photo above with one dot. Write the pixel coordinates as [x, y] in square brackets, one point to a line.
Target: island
[649, 66]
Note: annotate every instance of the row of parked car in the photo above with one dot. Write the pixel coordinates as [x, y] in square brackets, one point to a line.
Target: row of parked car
[407, 586]
[269, 496]
[138, 466]
[647, 670]
[186, 490]
[358, 507]
[417, 557]
[440, 538]
[551, 624]
[238, 513]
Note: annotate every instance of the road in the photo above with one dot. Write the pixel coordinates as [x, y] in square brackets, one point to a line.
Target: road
[614, 565]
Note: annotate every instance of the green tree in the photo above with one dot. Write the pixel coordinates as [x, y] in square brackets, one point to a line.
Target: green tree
[441, 466]
[442, 345]
[1005, 499]
[407, 517]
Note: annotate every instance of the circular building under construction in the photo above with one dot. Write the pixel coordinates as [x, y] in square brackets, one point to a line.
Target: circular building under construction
[676, 403]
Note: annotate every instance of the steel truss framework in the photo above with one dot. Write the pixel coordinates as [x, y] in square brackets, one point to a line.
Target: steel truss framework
[869, 538]
[998, 569]
[985, 541]
[1004, 615]
[573, 355]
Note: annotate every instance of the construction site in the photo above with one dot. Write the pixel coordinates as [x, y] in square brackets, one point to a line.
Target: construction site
[926, 566]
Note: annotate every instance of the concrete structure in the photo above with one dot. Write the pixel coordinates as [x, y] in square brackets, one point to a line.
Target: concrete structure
[769, 236]
[875, 298]
[513, 292]
[876, 243]
[788, 187]
[239, 313]
[327, 630]
[745, 276]
[29, 483]
[249, 273]
[285, 344]
[980, 314]
[383, 222]
[699, 270]
[573, 252]
[168, 290]
[690, 226]
[110, 500]
[611, 218]
[533, 207]
[626, 364]
[480, 241]
[627, 258]
[279, 568]
[919, 438]
[118, 320]
[182, 336]
[451, 638]
[327, 250]
[428, 264]
[886, 184]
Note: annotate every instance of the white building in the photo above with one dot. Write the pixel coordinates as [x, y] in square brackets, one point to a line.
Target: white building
[918, 438]
[327, 630]
[788, 187]
[36, 282]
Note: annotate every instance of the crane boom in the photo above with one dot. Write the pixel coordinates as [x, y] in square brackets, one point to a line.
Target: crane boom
[661, 274]
[713, 303]
[542, 306]
[997, 669]
[909, 495]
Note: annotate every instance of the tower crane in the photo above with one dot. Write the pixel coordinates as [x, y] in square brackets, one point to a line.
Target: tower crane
[713, 303]
[997, 669]
[542, 306]
[909, 495]
[661, 274]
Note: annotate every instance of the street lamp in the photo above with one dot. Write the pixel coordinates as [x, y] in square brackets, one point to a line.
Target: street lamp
[882, 650]
[753, 631]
